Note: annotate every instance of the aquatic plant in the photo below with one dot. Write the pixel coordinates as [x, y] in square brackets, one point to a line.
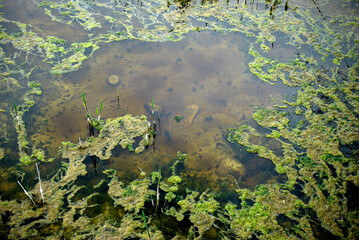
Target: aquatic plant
[93, 122]
[144, 219]
[17, 113]
[178, 118]
[117, 131]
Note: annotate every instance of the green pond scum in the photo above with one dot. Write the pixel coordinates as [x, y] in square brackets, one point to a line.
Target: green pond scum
[314, 132]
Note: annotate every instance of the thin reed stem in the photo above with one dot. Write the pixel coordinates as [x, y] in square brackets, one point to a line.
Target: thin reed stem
[27, 194]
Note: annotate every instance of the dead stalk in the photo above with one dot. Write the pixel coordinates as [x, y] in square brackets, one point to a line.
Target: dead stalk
[41, 191]
[27, 194]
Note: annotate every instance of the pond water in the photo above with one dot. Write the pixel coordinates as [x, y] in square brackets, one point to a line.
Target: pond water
[206, 70]
[256, 107]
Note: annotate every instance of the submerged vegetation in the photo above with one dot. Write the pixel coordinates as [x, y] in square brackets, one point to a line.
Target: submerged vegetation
[316, 130]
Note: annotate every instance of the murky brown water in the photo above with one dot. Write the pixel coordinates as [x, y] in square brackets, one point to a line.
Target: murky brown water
[206, 69]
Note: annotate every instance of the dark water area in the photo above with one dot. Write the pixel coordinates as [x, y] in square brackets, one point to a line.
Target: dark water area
[255, 105]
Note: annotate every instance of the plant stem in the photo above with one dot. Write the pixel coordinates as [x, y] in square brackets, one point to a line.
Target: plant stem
[158, 192]
[27, 194]
[144, 218]
[89, 118]
[41, 191]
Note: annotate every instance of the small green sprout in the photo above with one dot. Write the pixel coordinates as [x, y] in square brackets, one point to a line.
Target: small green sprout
[178, 118]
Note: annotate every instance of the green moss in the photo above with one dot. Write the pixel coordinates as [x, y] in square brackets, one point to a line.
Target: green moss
[265, 47]
[170, 196]
[175, 179]
[68, 143]
[305, 161]
[279, 168]
[336, 61]
[39, 154]
[261, 190]
[274, 134]
[130, 148]
[298, 111]
[25, 159]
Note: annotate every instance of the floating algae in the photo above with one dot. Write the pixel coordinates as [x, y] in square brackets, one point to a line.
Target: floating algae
[313, 145]
[118, 131]
[61, 188]
[131, 197]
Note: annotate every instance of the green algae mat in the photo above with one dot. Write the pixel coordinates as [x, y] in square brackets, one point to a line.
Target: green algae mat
[118, 181]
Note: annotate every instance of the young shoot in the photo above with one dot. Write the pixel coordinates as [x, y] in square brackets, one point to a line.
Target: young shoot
[89, 118]
[93, 122]
[80, 142]
[98, 112]
[144, 219]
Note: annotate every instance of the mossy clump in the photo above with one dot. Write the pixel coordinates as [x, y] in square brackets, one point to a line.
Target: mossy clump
[131, 197]
[117, 131]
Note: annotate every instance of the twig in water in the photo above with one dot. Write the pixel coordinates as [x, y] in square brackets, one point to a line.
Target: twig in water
[158, 193]
[41, 191]
[153, 205]
[142, 172]
[27, 193]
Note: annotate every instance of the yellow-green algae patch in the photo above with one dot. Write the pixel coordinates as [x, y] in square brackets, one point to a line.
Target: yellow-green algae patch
[63, 57]
[201, 209]
[131, 197]
[311, 157]
[160, 20]
[17, 112]
[117, 131]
